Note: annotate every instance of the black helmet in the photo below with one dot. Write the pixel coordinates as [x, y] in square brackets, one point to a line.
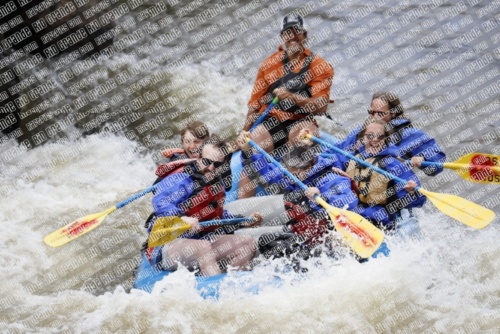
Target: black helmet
[293, 21]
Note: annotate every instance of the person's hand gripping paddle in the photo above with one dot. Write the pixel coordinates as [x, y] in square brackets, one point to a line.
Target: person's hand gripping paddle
[362, 236]
[466, 212]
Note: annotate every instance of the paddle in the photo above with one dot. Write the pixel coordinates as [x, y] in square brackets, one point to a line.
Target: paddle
[265, 113]
[466, 212]
[475, 167]
[167, 229]
[358, 233]
[86, 224]
[236, 157]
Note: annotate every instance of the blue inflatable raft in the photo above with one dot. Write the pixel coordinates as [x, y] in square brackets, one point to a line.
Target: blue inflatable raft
[146, 276]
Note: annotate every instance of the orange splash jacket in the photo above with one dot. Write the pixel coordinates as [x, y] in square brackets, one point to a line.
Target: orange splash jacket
[317, 77]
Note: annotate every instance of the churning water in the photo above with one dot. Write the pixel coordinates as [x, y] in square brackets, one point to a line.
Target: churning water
[445, 281]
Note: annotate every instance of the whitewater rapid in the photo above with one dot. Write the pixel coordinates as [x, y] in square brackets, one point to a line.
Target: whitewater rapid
[444, 281]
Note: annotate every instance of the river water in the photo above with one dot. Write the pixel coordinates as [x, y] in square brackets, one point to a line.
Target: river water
[439, 58]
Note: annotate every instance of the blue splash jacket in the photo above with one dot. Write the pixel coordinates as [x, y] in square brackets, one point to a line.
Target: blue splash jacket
[409, 142]
[384, 215]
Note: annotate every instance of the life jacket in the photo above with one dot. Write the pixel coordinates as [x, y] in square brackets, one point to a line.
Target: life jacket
[398, 136]
[295, 83]
[170, 152]
[172, 167]
[206, 203]
[372, 186]
[308, 223]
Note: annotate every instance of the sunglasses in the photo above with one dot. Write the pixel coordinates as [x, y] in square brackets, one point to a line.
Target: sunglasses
[291, 32]
[372, 136]
[380, 113]
[207, 162]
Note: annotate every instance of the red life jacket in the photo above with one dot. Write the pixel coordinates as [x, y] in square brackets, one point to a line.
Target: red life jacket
[305, 224]
[206, 203]
[169, 153]
[172, 167]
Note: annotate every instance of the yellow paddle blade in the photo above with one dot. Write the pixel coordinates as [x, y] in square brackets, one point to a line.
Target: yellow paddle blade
[165, 230]
[361, 235]
[467, 212]
[76, 228]
[477, 167]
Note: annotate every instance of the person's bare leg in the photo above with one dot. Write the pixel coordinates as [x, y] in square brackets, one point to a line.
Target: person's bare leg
[235, 250]
[191, 253]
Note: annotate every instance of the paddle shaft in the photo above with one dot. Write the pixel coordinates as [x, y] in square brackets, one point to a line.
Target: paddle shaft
[220, 222]
[432, 163]
[226, 221]
[368, 238]
[277, 164]
[360, 161]
[235, 159]
[451, 165]
[264, 114]
[459, 166]
[136, 196]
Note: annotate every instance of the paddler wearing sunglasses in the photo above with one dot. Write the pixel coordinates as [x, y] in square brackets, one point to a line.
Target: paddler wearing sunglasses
[410, 143]
[380, 199]
[192, 138]
[196, 195]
